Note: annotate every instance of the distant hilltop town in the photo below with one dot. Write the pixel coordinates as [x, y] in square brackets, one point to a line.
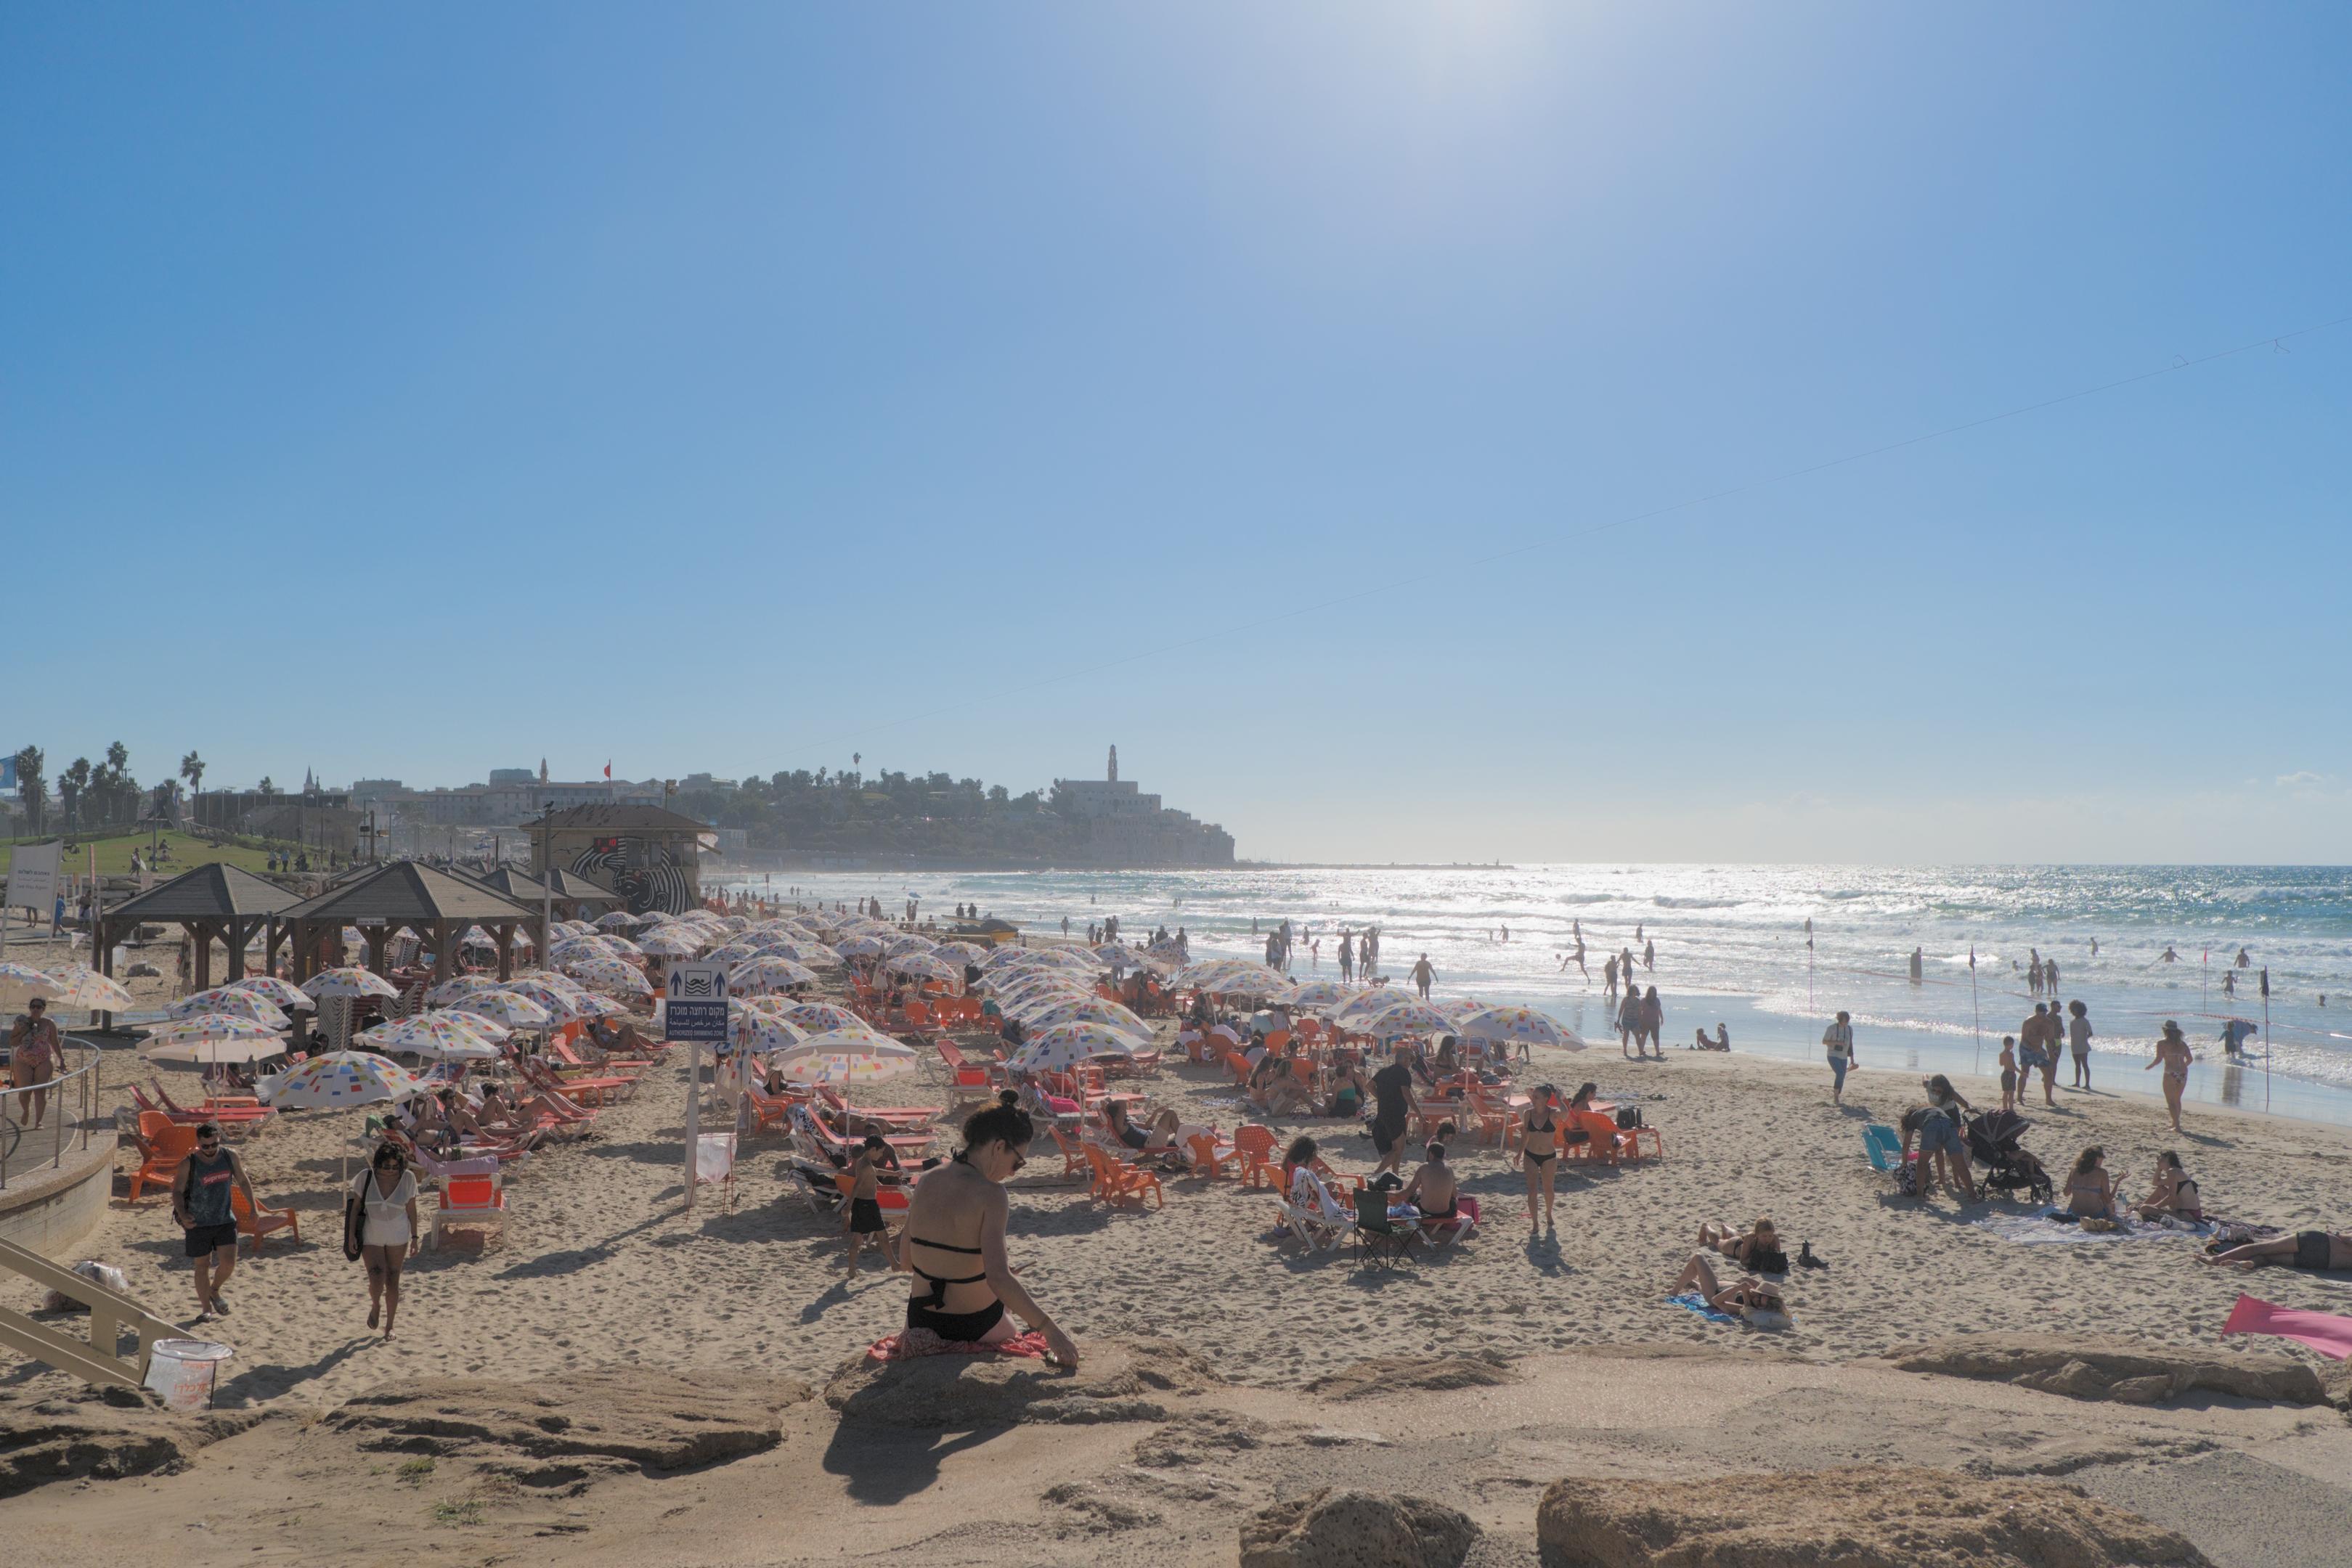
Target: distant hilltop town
[796, 818]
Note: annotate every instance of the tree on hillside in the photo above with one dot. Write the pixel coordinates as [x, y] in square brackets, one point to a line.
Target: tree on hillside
[266, 787]
[35, 790]
[192, 768]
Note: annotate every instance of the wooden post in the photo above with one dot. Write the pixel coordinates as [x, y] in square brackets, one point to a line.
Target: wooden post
[201, 932]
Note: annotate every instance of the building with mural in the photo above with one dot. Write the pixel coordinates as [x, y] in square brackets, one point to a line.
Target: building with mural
[650, 856]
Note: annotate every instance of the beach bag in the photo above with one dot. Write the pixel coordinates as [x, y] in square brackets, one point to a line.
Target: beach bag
[355, 1222]
[1629, 1116]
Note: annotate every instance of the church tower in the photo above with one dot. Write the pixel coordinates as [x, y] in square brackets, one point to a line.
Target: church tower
[1114, 764]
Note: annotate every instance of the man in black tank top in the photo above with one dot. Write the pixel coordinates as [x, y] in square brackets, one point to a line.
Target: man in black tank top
[202, 1204]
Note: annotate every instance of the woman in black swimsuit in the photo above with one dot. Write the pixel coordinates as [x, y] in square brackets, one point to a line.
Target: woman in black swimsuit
[955, 1242]
[1539, 1146]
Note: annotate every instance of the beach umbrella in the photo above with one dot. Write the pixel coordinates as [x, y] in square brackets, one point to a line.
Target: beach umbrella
[1088, 1010]
[1366, 1005]
[616, 920]
[763, 1036]
[842, 1057]
[339, 1078]
[909, 943]
[564, 1003]
[670, 943]
[21, 982]
[511, 1009]
[922, 965]
[349, 981]
[1061, 1046]
[1317, 996]
[214, 1052]
[758, 975]
[490, 1028]
[821, 1017]
[458, 987]
[736, 921]
[1234, 977]
[1458, 1009]
[1514, 1025]
[210, 1028]
[960, 952]
[610, 975]
[1410, 1016]
[859, 947]
[475, 936]
[428, 1034]
[79, 986]
[222, 1000]
[289, 997]
[737, 952]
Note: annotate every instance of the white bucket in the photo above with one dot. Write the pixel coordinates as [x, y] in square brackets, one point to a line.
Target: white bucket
[182, 1371]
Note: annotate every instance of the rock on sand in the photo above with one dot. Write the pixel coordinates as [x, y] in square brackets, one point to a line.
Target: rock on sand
[1865, 1517]
[2135, 1375]
[661, 1419]
[1328, 1529]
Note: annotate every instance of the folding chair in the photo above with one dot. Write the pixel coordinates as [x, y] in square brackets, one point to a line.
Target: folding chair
[1378, 1243]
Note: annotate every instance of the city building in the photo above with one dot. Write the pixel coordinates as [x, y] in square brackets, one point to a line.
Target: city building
[1125, 826]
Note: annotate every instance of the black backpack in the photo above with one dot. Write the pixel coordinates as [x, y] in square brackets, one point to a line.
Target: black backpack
[1629, 1116]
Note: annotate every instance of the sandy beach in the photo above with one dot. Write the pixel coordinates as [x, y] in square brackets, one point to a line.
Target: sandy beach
[604, 1268]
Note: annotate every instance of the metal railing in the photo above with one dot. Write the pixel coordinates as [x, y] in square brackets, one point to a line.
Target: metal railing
[69, 1113]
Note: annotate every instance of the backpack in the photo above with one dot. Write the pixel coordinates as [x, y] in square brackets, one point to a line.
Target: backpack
[1629, 1116]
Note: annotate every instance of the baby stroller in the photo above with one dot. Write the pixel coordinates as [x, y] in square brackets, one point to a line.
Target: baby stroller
[2006, 1167]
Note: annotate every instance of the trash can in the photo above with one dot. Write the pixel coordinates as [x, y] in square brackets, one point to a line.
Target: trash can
[184, 1371]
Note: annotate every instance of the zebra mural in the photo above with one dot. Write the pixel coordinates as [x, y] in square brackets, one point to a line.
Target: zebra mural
[646, 875]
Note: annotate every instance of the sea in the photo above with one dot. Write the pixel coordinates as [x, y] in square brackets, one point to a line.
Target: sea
[1772, 951]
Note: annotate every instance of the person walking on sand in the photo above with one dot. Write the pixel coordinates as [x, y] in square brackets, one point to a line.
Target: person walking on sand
[1654, 1022]
[33, 1054]
[2173, 1054]
[865, 1217]
[2078, 1042]
[1648, 956]
[1391, 1109]
[1539, 1149]
[390, 1231]
[1608, 980]
[1838, 1040]
[1422, 975]
[1629, 1022]
[2037, 1045]
[200, 1202]
[1347, 958]
[2008, 1072]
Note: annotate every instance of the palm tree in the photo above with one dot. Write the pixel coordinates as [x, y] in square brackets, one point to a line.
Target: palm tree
[192, 768]
[30, 786]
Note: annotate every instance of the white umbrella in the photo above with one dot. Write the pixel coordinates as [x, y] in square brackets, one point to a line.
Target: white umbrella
[1063, 1046]
[1513, 1025]
[509, 1007]
[428, 1034]
[235, 1003]
[1317, 996]
[457, 988]
[349, 981]
[670, 944]
[842, 1057]
[923, 967]
[213, 1052]
[335, 1079]
[758, 975]
[285, 993]
[1410, 1016]
[79, 986]
[213, 1028]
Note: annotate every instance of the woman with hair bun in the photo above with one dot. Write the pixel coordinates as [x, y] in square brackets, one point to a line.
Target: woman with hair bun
[954, 1241]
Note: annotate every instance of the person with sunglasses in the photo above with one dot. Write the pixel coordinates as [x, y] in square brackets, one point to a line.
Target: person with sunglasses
[385, 1194]
[954, 1241]
[33, 1051]
[200, 1202]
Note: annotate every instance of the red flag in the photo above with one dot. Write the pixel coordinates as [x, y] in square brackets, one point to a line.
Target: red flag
[608, 770]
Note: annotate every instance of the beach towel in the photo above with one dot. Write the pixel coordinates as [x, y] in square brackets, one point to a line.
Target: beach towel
[898, 1346]
[1692, 1301]
[2323, 1331]
[2057, 1228]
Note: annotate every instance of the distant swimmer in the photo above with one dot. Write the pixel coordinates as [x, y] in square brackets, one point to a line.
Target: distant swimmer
[2094, 946]
[1649, 954]
[2228, 982]
[2244, 962]
[1422, 975]
[1507, 933]
[1637, 931]
[1579, 955]
[1914, 966]
[2170, 956]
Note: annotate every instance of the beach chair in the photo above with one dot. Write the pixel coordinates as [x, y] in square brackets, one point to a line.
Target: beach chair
[1074, 1152]
[1378, 1243]
[1883, 1147]
[470, 1203]
[1209, 1156]
[1118, 1182]
[1442, 1233]
[1321, 1222]
[258, 1223]
[163, 1144]
[569, 1061]
[1255, 1146]
[767, 1110]
[1489, 1116]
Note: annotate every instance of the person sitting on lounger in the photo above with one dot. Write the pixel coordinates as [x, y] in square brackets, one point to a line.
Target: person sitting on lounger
[2090, 1190]
[954, 1242]
[2314, 1249]
[1434, 1189]
[1756, 1249]
[1745, 1297]
[2174, 1195]
[1160, 1136]
[1349, 1092]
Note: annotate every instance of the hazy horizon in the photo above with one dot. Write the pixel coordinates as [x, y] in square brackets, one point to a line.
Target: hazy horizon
[1409, 433]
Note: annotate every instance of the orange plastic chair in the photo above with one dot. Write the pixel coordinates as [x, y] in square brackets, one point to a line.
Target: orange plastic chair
[260, 1224]
[1116, 1182]
[1074, 1154]
[1207, 1157]
[167, 1143]
[1255, 1146]
[473, 1202]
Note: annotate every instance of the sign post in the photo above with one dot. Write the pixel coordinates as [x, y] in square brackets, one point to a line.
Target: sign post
[694, 1010]
[33, 873]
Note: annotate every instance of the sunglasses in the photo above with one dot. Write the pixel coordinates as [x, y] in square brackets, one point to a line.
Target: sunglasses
[208, 1138]
[1018, 1161]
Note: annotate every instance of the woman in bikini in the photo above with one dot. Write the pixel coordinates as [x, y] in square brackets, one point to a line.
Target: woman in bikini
[1757, 1251]
[1743, 1297]
[954, 1241]
[2314, 1249]
[2173, 1053]
[1540, 1130]
[2090, 1190]
[2174, 1195]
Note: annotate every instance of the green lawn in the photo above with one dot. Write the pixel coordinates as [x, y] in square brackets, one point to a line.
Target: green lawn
[114, 854]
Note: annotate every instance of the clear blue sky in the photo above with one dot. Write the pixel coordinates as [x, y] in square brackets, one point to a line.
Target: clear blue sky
[415, 390]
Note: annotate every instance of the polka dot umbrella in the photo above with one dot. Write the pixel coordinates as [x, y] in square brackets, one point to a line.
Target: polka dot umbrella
[341, 1078]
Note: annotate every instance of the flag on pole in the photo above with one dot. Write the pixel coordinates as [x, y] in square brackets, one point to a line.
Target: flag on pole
[608, 768]
[1809, 931]
[1972, 957]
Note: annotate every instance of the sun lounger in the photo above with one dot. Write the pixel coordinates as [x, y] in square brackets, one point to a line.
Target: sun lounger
[259, 1223]
[470, 1203]
[1320, 1221]
[1118, 1182]
[162, 1144]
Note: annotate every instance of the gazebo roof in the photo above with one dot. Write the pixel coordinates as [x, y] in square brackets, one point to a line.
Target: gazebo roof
[217, 892]
[405, 892]
[529, 890]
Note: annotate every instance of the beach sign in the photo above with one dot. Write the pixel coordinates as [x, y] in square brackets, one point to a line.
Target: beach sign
[694, 1004]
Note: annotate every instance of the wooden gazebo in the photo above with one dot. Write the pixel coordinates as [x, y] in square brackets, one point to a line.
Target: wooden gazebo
[213, 903]
[435, 905]
[576, 898]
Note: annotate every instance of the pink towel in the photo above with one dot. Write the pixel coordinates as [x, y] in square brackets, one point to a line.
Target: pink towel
[2323, 1331]
[904, 1347]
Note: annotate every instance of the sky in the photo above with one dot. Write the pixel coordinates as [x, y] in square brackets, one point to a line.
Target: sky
[1409, 432]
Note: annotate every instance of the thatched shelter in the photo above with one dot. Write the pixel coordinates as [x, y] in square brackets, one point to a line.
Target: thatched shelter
[212, 903]
[435, 905]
